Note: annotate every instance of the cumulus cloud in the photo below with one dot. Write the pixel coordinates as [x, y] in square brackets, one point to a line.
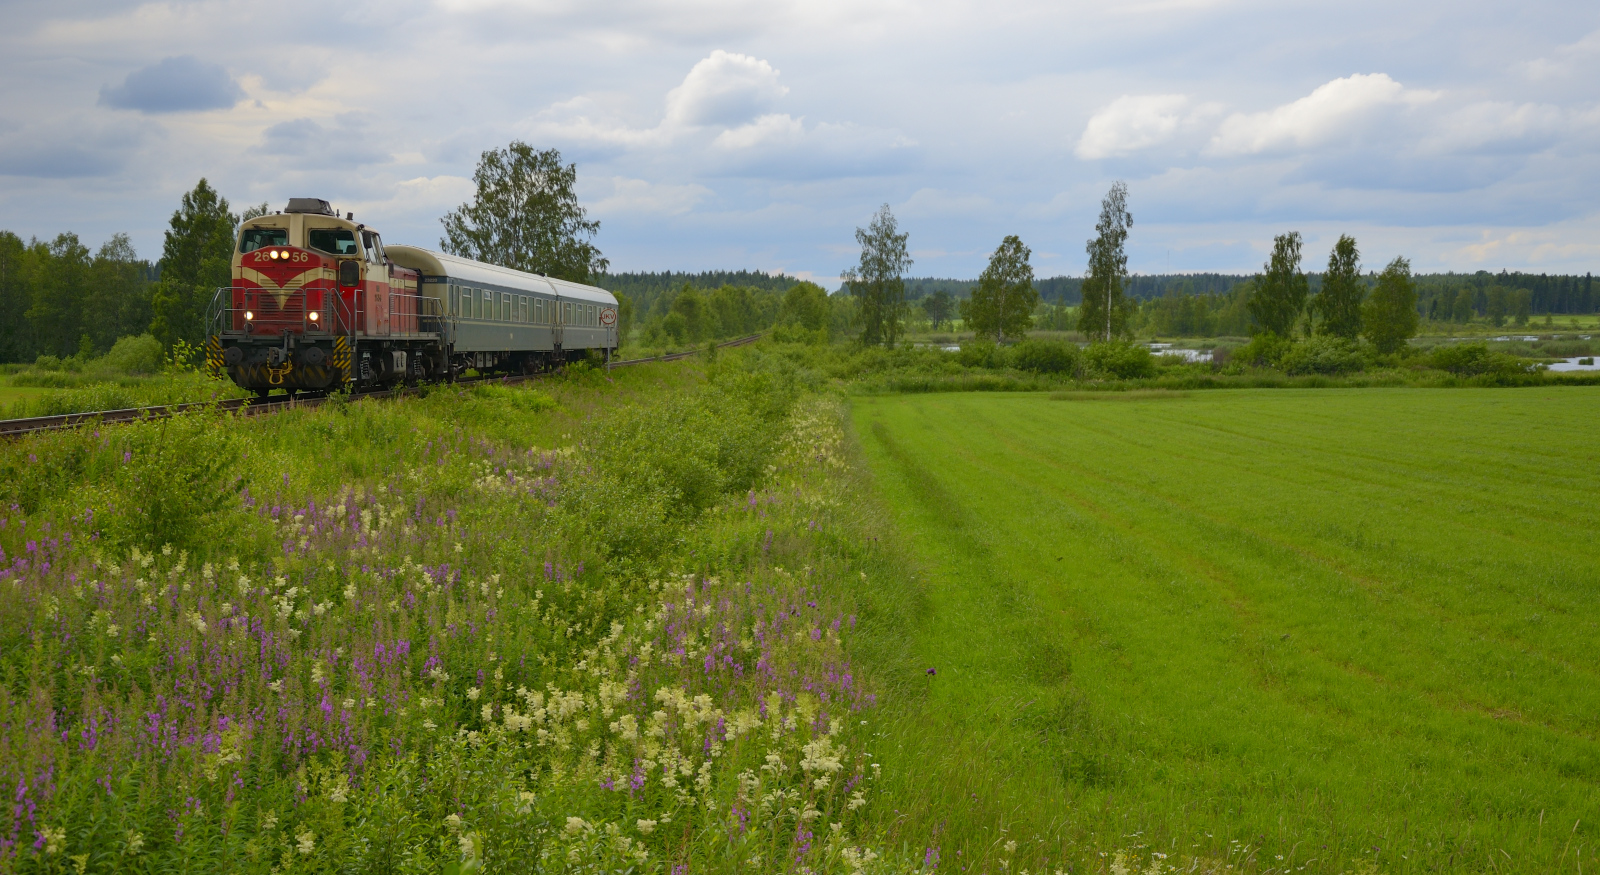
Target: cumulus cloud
[773, 129]
[1131, 122]
[724, 89]
[1336, 110]
[180, 84]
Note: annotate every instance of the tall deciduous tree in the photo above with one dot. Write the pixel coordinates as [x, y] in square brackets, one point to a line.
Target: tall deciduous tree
[194, 263]
[1389, 317]
[1281, 289]
[1003, 302]
[525, 216]
[878, 282]
[1338, 303]
[938, 307]
[1104, 311]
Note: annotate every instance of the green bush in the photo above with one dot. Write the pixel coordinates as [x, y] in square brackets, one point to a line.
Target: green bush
[1474, 359]
[133, 355]
[1120, 360]
[1321, 355]
[1263, 350]
[983, 353]
[1046, 357]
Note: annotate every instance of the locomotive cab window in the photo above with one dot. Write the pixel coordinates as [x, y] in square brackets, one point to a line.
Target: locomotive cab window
[255, 238]
[337, 241]
[373, 247]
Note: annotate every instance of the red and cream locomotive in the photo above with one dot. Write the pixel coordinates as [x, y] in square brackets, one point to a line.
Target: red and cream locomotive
[319, 303]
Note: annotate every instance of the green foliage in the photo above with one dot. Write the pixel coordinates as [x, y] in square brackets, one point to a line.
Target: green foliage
[525, 215]
[195, 259]
[1474, 359]
[1280, 293]
[1046, 357]
[135, 355]
[1338, 302]
[1120, 360]
[1003, 302]
[1389, 316]
[1321, 354]
[1263, 350]
[939, 307]
[1104, 313]
[877, 282]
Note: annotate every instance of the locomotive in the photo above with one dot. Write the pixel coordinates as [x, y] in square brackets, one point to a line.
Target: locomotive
[319, 303]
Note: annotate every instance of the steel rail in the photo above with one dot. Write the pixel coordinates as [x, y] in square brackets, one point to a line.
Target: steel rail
[254, 407]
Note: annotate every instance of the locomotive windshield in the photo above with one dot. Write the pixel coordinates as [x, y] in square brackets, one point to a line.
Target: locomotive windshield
[336, 241]
[255, 238]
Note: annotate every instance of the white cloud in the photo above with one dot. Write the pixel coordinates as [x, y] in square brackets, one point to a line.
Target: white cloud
[724, 89]
[772, 129]
[1131, 122]
[639, 197]
[1336, 110]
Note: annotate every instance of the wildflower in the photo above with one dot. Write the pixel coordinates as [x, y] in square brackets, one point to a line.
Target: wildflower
[1011, 846]
[647, 826]
[134, 844]
[576, 825]
[429, 725]
[453, 822]
[307, 842]
[349, 703]
[53, 838]
[268, 821]
[473, 693]
[276, 686]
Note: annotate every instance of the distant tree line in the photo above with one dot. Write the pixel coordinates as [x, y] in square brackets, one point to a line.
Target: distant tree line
[60, 299]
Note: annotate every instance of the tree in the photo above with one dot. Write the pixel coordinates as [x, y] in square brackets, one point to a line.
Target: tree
[195, 258]
[1389, 317]
[1281, 288]
[805, 304]
[1104, 312]
[16, 341]
[691, 306]
[939, 308]
[1339, 301]
[60, 277]
[1462, 310]
[525, 216]
[878, 282]
[118, 293]
[1003, 302]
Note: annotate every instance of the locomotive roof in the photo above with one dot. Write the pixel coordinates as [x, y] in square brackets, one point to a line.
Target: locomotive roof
[468, 271]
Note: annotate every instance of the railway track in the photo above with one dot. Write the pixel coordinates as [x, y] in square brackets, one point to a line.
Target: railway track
[253, 407]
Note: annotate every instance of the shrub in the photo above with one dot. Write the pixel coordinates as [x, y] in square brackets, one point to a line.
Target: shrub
[982, 353]
[1321, 355]
[1263, 350]
[1046, 357]
[47, 363]
[133, 355]
[1473, 359]
[1120, 360]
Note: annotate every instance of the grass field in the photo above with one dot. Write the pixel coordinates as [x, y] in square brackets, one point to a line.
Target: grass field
[1282, 629]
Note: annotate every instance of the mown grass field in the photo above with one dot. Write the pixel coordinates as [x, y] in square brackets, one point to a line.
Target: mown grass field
[1325, 629]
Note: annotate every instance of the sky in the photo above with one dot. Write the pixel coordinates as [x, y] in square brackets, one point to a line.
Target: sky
[722, 134]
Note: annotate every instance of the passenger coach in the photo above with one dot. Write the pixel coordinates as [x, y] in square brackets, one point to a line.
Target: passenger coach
[319, 303]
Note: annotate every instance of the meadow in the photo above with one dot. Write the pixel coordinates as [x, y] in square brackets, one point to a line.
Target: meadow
[1332, 630]
[720, 616]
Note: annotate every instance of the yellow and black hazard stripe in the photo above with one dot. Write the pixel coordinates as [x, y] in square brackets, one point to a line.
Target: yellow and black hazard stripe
[341, 358]
[214, 355]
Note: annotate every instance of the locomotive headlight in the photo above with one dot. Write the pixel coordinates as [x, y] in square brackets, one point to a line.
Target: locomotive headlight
[314, 316]
[273, 254]
[248, 315]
